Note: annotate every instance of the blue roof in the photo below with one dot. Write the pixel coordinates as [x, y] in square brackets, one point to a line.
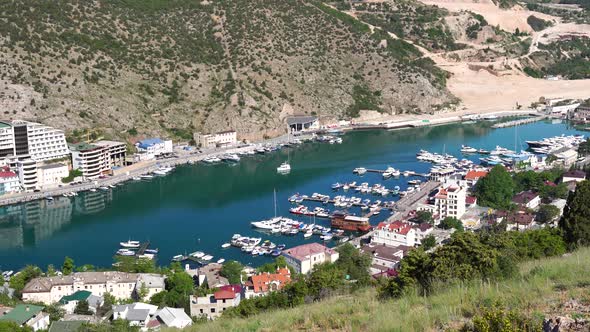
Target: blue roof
[146, 143]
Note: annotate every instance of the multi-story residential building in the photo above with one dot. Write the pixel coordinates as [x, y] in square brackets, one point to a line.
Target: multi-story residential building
[304, 257]
[9, 181]
[43, 142]
[154, 283]
[27, 173]
[397, 233]
[137, 314]
[450, 202]
[154, 147]
[90, 159]
[422, 230]
[384, 258]
[263, 283]
[51, 289]
[50, 175]
[21, 139]
[213, 305]
[116, 151]
[222, 138]
[6, 139]
[581, 114]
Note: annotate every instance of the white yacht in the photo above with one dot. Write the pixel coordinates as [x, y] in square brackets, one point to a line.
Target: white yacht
[468, 149]
[130, 244]
[284, 168]
[359, 170]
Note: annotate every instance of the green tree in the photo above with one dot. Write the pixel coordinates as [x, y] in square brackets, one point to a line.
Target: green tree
[18, 281]
[428, 242]
[324, 279]
[107, 304]
[451, 222]
[232, 270]
[9, 326]
[68, 266]
[547, 213]
[82, 308]
[142, 292]
[575, 222]
[354, 263]
[51, 271]
[180, 286]
[495, 189]
[55, 311]
[424, 217]
[279, 262]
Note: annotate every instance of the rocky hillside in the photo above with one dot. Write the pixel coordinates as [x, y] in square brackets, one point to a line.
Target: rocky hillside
[131, 68]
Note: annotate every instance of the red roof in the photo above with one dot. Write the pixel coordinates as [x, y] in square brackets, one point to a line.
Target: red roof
[304, 251]
[271, 281]
[232, 288]
[475, 175]
[224, 295]
[524, 197]
[470, 200]
[7, 174]
[398, 227]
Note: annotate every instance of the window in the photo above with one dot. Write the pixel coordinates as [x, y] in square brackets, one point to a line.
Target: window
[223, 300]
[212, 310]
[201, 310]
[59, 288]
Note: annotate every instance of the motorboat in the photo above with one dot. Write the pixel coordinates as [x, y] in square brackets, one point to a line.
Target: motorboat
[226, 245]
[220, 261]
[307, 234]
[163, 170]
[146, 177]
[211, 160]
[284, 168]
[207, 258]
[125, 252]
[197, 254]
[232, 157]
[130, 244]
[178, 258]
[467, 149]
[483, 151]
[359, 170]
[151, 251]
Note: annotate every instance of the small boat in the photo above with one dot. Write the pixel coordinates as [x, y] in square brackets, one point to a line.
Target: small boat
[49, 198]
[284, 168]
[92, 190]
[467, 149]
[207, 258]
[337, 186]
[147, 176]
[307, 234]
[226, 245]
[151, 251]
[275, 253]
[344, 239]
[130, 244]
[359, 170]
[281, 247]
[103, 188]
[125, 252]
[483, 151]
[111, 186]
[178, 258]
[136, 178]
[197, 254]
[327, 236]
[220, 261]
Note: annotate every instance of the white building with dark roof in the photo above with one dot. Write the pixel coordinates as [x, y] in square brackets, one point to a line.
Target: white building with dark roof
[137, 314]
[298, 123]
[304, 257]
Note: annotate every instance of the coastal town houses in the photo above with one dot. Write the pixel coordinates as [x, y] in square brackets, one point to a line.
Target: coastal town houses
[422, 230]
[27, 315]
[137, 314]
[209, 275]
[89, 159]
[450, 202]
[39, 141]
[397, 233]
[573, 175]
[472, 176]
[219, 139]
[69, 302]
[170, 317]
[527, 199]
[304, 257]
[580, 115]
[263, 283]
[518, 220]
[51, 175]
[213, 305]
[116, 152]
[152, 148]
[384, 258]
[49, 290]
[9, 181]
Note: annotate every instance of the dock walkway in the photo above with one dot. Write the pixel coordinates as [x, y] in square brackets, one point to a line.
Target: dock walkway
[518, 122]
[408, 202]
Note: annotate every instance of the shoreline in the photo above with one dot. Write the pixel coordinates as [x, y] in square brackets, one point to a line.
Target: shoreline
[129, 172]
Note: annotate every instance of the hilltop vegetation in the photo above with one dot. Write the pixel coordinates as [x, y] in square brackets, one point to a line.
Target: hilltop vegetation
[173, 67]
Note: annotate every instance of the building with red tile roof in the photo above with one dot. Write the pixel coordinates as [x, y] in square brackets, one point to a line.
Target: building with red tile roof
[213, 305]
[474, 175]
[304, 257]
[397, 233]
[9, 181]
[264, 283]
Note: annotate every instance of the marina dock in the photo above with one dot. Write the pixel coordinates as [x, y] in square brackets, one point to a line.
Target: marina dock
[518, 122]
[407, 203]
[142, 248]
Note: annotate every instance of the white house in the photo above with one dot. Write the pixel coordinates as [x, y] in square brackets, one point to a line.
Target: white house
[222, 138]
[154, 147]
[50, 176]
[49, 290]
[137, 314]
[173, 317]
[527, 198]
[213, 305]
[574, 175]
[397, 233]
[384, 258]
[27, 315]
[450, 202]
[69, 302]
[422, 230]
[304, 257]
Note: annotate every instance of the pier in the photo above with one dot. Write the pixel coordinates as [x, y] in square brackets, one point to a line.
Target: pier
[518, 122]
[142, 248]
[408, 202]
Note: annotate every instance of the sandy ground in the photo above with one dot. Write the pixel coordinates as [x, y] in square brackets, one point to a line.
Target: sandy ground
[508, 20]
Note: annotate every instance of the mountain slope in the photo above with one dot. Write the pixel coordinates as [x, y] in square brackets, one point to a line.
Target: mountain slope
[174, 67]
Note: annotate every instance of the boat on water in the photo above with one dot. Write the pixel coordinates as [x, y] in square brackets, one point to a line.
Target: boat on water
[125, 252]
[232, 158]
[344, 221]
[483, 151]
[49, 198]
[92, 190]
[226, 245]
[344, 239]
[275, 253]
[136, 178]
[163, 170]
[327, 236]
[500, 151]
[147, 176]
[220, 261]
[197, 254]
[130, 244]
[284, 168]
[207, 258]
[103, 188]
[359, 170]
[151, 251]
[467, 149]
[211, 160]
[337, 186]
[178, 258]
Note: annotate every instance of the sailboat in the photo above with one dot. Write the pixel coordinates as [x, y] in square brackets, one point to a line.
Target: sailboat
[285, 167]
[270, 224]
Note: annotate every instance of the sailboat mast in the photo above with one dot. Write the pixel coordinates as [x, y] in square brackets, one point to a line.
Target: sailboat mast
[275, 198]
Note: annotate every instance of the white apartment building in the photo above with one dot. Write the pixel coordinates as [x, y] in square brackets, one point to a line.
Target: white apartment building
[44, 142]
[27, 173]
[6, 139]
[49, 290]
[450, 202]
[397, 233]
[222, 138]
[304, 257]
[154, 147]
[91, 160]
[9, 182]
[50, 176]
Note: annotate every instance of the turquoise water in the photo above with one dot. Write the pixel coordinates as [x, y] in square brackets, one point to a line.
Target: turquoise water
[199, 207]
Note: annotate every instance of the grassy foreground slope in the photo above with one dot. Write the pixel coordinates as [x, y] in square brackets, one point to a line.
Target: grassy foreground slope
[540, 291]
